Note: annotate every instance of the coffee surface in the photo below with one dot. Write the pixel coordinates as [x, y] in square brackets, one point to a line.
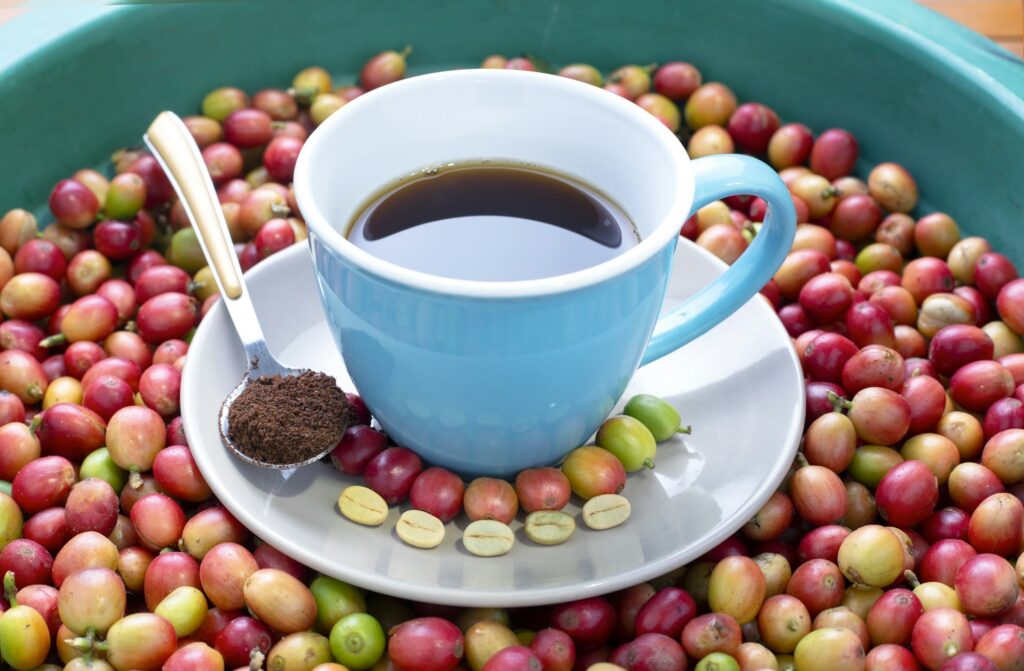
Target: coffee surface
[493, 222]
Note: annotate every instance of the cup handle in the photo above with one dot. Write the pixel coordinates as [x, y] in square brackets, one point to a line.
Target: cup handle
[717, 177]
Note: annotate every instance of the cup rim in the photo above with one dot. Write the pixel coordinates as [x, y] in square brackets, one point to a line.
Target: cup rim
[665, 231]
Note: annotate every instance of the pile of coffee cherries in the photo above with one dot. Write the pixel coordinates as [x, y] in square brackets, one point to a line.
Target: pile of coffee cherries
[895, 543]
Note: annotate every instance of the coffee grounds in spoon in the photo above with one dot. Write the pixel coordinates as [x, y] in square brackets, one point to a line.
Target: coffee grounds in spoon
[279, 419]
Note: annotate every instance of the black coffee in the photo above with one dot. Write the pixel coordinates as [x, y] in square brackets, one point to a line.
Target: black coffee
[492, 221]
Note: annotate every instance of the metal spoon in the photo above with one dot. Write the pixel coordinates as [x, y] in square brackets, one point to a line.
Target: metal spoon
[176, 151]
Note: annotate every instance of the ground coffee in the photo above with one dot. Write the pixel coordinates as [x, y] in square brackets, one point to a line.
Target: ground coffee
[289, 419]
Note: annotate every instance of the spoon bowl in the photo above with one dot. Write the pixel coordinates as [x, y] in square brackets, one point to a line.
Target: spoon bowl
[176, 151]
[272, 367]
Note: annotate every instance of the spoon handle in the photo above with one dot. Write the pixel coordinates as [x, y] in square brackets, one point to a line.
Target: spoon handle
[176, 151]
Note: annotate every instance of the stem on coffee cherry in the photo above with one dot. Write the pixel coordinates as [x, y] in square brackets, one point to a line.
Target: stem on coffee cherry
[303, 96]
[84, 644]
[801, 460]
[10, 589]
[53, 341]
[911, 578]
[687, 429]
[839, 403]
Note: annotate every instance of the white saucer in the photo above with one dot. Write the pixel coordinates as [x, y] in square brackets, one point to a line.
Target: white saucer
[739, 385]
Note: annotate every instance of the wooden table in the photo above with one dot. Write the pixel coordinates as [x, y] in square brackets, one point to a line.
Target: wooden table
[1000, 20]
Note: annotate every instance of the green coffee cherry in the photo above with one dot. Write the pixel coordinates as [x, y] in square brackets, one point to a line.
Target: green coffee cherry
[334, 600]
[629, 440]
[660, 418]
[98, 464]
[357, 641]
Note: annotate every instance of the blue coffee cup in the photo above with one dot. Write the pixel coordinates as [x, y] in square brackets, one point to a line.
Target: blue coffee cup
[491, 377]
